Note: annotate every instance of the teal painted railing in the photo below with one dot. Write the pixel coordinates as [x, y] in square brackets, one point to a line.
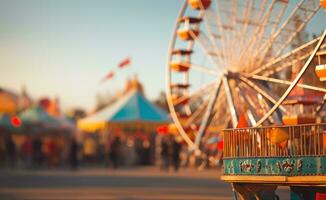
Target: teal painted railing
[278, 150]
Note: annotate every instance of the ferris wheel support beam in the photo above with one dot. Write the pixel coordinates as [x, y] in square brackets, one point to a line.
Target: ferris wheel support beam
[260, 91]
[249, 112]
[195, 114]
[230, 101]
[255, 109]
[274, 118]
[220, 118]
[210, 106]
[320, 107]
[295, 81]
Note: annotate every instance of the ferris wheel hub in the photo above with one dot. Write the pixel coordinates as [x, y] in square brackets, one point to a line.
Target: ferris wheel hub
[231, 74]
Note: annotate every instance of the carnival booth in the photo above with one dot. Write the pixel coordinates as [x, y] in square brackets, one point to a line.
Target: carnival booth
[133, 119]
[53, 134]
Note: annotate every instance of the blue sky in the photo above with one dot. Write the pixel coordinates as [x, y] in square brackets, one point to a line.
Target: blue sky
[59, 47]
[63, 48]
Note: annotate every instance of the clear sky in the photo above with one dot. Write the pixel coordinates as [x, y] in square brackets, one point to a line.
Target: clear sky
[64, 47]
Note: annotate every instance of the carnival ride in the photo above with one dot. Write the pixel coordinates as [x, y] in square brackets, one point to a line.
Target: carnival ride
[252, 61]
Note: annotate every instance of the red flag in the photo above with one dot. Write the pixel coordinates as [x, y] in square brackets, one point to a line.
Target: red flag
[108, 76]
[124, 63]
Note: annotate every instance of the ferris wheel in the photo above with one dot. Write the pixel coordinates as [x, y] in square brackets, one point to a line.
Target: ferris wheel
[230, 59]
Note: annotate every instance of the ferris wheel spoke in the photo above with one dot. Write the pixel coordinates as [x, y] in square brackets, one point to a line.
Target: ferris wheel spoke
[295, 81]
[185, 66]
[300, 16]
[208, 43]
[198, 93]
[215, 22]
[280, 81]
[244, 23]
[209, 48]
[220, 120]
[207, 115]
[235, 33]
[261, 107]
[206, 70]
[227, 24]
[306, 12]
[251, 107]
[289, 62]
[266, 106]
[286, 60]
[266, 26]
[230, 102]
[195, 114]
[261, 91]
[273, 21]
[249, 98]
[214, 32]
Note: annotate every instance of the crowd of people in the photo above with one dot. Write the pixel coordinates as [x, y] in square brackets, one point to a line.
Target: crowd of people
[36, 152]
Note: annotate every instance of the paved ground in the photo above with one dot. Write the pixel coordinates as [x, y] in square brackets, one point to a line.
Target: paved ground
[123, 184]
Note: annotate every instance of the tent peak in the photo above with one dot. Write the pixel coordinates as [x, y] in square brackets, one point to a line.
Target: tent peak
[133, 84]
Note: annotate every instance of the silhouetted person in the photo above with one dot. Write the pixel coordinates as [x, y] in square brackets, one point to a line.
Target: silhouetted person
[11, 151]
[165, 154]
[27, 151]
[50, 148]
[73, 154]
[115, 152]
[107, 146]
[37, 152]
[146, 152]
[176, 148]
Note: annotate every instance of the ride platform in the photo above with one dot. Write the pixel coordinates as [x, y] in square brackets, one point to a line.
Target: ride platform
[258, 160]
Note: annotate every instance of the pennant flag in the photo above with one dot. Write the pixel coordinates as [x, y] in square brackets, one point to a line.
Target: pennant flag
[124, 63]
[108, 76]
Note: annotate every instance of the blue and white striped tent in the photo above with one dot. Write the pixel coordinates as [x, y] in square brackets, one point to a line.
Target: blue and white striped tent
[131, 108]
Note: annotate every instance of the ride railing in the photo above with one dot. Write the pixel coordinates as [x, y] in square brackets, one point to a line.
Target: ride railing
[275, 141]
